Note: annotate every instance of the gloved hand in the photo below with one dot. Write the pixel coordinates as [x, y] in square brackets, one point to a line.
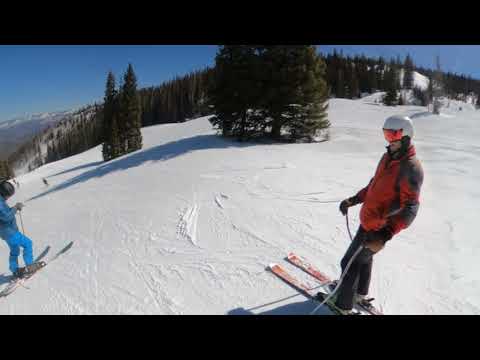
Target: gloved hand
[19, 206]
[375, 240]
[345, 204]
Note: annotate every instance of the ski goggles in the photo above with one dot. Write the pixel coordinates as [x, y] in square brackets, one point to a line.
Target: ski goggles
[392, 135]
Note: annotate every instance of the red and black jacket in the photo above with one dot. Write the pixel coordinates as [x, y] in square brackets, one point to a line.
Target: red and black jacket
[391, 199]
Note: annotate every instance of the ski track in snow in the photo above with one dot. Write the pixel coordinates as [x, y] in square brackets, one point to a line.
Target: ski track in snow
[219, 203]
[187, 226]
[152, 284]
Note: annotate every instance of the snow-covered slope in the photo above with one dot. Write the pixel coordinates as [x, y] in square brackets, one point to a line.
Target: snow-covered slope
[57, 128]
[188, 224]
[419, 80]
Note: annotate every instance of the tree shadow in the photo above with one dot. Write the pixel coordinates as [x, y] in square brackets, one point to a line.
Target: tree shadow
[297, 308]
[76, 168]
[162, 152]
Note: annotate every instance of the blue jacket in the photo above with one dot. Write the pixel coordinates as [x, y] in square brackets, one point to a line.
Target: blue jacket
[8, 223]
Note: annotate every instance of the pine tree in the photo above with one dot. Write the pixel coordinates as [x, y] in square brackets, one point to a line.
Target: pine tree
[390, 98]
[307, 112]
[398, 62]
[274, 87]
[340, 89]
[235, 89]
[408, 73]
[117, 149]
[372, 79]
[429, 91]
[294, 92]
[354, 86]
[108, 113]
[381, 72]
[421, 95]
[279, 64]
[437, 87]
[391, 84]
[131, 137]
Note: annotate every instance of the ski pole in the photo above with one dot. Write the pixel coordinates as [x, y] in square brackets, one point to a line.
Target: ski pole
[343, 274]
[348, 228]
[339, 281]
[21, 221]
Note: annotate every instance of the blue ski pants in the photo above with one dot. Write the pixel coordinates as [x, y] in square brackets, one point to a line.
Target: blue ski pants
[15, 242]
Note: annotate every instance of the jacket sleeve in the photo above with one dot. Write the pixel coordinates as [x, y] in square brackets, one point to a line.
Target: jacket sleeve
[6, 213]
[410, 185]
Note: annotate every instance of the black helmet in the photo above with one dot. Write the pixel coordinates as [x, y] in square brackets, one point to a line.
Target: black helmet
[6, 189]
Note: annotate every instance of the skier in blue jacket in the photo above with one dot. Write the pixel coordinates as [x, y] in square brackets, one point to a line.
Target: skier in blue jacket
[9, 232]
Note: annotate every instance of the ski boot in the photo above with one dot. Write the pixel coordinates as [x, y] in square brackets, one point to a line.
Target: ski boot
[359, 299]
[331, 303]
[29, 270]
[321, 295]
[346, 312]
[363, 301]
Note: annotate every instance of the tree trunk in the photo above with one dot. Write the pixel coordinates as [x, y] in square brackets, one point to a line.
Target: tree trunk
[276, 130]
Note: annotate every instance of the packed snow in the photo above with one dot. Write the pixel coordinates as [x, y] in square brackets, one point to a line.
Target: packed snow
[188, 224]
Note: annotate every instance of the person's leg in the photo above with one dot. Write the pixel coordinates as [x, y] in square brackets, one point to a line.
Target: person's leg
[14, 253]
[26, 244]
[349, 285]
[365, 276]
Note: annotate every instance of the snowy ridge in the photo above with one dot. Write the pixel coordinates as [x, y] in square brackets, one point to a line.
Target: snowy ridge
[37, 118]
[61, 123]
[16, 131]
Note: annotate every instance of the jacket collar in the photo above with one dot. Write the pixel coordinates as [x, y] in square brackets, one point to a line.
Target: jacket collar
[411, 152]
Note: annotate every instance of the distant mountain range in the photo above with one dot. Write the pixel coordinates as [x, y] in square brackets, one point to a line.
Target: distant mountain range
[16, 131]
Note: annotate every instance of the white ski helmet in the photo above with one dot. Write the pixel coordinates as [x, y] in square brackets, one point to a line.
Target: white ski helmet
[400, 122]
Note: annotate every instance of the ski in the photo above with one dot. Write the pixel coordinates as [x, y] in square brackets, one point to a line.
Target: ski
[290, 280]
[63, 251]
[304, 265]
[43, 253]
[299, 286]
[14, 284]
[308, 268]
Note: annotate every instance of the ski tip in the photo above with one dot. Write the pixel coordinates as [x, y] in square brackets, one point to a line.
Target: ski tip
[272, 265]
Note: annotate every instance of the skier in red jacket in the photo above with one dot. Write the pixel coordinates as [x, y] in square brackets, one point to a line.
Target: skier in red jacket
[389, 204]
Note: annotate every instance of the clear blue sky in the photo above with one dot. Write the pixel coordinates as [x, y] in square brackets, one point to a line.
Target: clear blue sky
[39, 78]
[52, 78]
